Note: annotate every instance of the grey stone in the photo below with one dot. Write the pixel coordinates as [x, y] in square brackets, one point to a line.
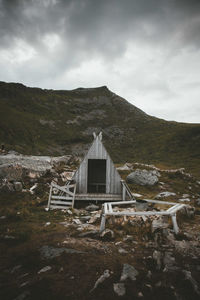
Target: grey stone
[188, 276]
[157, 257]
[23, 296]
[45, 269]
[15, 268]
[198, 202]
[102, 278]
[141, 205]
[119, 289]
[190, 211]
[159, 224]
[124, 168]
[128, 238]
[184, 200]
[140, 295]
[107, 233]
[165, 194]
[18, 186]
[143, 177]
[92, 207]
[91, 233]
[122, 251]
[94, 218]
[14, 167]
[128, 272]
[168, 261]
[49, 252]
[85, 218]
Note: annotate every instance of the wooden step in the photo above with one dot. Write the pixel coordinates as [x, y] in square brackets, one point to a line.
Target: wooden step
[61, 202]
[59, 207]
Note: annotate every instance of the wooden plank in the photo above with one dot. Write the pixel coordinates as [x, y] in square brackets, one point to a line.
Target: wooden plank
[61, 197]
[171, 209]
[49, 201]
[58, 207]
[74, 196]
[138, 213]
[61, 202]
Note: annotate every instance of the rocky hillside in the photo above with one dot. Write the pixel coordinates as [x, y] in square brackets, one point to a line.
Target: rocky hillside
[48, 122]
[61, 254]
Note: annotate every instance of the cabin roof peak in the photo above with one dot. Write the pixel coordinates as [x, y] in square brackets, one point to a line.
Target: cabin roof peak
[97, 135]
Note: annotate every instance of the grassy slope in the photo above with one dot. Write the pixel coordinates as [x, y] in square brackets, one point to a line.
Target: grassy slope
[36, 121]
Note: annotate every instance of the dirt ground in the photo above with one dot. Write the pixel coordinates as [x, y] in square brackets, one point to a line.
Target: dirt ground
[25, 227]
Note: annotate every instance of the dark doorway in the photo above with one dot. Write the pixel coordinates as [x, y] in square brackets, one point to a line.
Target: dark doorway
[96, 176]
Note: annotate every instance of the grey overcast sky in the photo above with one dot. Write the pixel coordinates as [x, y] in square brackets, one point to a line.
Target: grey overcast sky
[147, 51]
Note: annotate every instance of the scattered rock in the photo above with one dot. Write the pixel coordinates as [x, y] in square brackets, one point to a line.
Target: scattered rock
[184, 200]
[9, 237]
[122, 251]
[185, 195]
[102, 278]
[140, 295]
[190, 211]
[108, 234]
[149, 274]
[85, 218]
[128, 272]
[77, 221]
[165, 194]
[18, 186]
[94, 218]
[23, 296]
[45, 269]
[128, 238]
[168, 261]
[136, 195]
[188, 276]
[159, 224]
[157, 257]
[141, 205]
[143, 177]
[119, 289]
[92, 207]
[24, 284]
[125, 167]
[47, 224]
[90, 233]
[15, 268]
[48, 252]
[198, 202]
[33, 188]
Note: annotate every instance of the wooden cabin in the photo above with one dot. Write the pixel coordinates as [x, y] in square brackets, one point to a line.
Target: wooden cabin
[97, 177]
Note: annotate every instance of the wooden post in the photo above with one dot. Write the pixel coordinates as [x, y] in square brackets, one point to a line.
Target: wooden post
[103, 219]
[174, 222]
[123, 191]
[103, 223]
[74, 196]
[49, 201]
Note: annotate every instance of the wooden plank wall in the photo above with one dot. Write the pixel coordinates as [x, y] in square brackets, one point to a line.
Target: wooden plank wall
[113, 179]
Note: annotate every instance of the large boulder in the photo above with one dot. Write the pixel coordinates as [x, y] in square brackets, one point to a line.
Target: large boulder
[143, 177]
[14, 167]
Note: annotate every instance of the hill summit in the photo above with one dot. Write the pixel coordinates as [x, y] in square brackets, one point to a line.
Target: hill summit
[55, 122]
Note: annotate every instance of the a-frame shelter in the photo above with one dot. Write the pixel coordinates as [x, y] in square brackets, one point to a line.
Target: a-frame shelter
[97, 178]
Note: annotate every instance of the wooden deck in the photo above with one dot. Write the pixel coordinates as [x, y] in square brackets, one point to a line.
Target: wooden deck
[98, 197]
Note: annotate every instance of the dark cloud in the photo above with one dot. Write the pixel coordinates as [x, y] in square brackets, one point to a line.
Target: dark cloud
[46, 39]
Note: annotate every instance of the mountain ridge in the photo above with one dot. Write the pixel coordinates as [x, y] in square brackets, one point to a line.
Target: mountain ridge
[53, 122]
